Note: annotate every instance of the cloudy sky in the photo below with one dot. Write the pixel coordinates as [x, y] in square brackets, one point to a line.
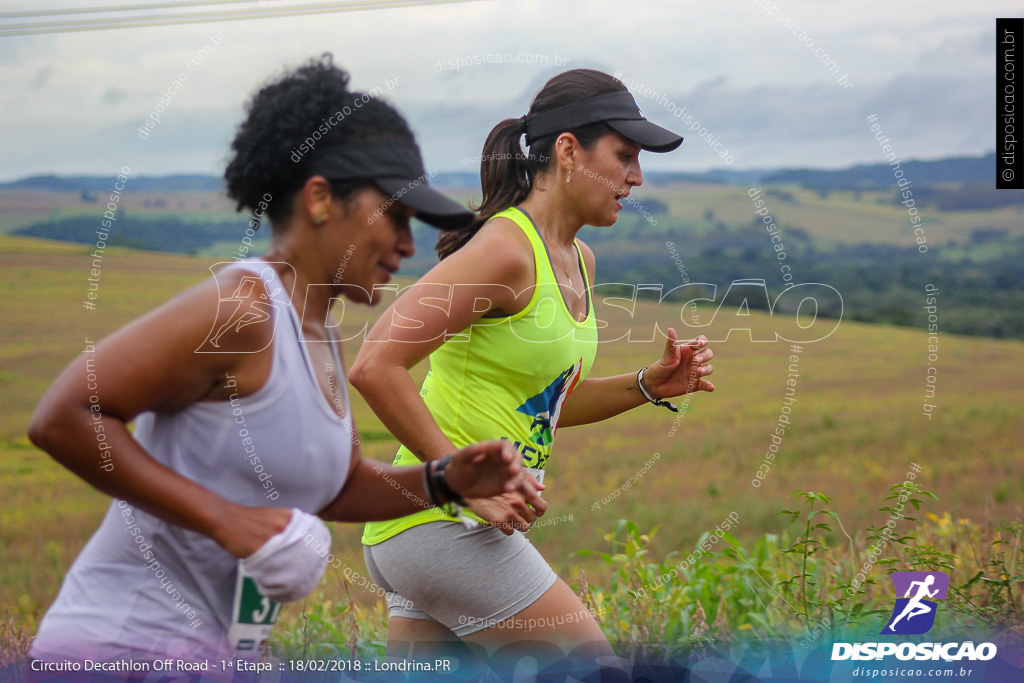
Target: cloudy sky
[755, 74]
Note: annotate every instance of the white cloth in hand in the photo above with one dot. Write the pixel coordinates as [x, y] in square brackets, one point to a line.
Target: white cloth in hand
[290, 565]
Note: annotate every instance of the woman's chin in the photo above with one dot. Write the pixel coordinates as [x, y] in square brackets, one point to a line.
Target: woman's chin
[368, 296]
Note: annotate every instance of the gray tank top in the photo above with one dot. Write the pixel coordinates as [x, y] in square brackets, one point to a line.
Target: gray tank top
[142, 587]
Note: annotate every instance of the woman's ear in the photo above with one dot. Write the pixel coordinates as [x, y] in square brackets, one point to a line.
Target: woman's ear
[567, 148]
[316, 199]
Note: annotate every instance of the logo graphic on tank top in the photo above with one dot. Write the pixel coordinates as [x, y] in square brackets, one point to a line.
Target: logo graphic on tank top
[545, 407]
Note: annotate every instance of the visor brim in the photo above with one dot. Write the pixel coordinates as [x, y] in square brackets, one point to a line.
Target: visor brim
[432, 207]
[649, 136]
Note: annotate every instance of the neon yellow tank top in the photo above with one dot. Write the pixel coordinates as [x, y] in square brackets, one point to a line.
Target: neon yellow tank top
[507, 377]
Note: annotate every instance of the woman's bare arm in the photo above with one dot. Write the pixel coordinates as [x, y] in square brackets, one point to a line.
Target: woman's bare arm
[152, 364]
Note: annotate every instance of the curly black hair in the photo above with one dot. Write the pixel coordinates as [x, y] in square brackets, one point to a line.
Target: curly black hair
[292, 117]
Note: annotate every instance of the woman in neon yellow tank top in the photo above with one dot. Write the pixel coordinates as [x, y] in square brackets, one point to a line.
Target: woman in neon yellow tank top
[507, 321]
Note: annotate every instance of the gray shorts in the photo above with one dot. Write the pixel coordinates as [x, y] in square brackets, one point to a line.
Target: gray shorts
[465, 579]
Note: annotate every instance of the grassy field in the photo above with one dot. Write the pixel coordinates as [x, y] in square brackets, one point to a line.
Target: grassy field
[857, 426]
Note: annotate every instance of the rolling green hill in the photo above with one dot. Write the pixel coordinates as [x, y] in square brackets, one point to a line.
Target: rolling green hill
[849, 229]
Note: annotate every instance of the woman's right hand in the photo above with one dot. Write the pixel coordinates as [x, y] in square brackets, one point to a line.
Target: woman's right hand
[246, 529]
[508, 512]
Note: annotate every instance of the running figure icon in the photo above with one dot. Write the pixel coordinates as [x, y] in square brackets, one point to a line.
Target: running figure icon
[916, 606]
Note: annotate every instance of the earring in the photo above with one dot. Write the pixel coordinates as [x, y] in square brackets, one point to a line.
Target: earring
[320, 220]
[568, 176]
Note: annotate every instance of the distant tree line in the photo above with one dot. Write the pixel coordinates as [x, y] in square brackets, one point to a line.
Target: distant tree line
[165, 233]
[878, 282]
[967, 198]
[971, 170]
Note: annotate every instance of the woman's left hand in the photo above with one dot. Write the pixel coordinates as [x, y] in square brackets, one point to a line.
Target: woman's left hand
[244, 530]
[681, 369]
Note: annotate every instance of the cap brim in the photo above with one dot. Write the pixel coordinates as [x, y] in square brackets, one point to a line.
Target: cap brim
[432, 207]
[649, 136]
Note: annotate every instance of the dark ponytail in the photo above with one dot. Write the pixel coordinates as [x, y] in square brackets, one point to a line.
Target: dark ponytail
[506, 177]
[507, 173]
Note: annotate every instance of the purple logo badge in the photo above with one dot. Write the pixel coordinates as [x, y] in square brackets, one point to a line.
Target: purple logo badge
[914, 612]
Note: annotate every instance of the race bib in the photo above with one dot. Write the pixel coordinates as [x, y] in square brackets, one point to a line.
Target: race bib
[538, 474]
[252, 617]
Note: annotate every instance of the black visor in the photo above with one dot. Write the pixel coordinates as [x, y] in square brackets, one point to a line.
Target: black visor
[397, 169]
[617, 109]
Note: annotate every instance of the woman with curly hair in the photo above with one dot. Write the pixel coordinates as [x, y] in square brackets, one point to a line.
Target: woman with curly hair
[507, 321]
[243, 433]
